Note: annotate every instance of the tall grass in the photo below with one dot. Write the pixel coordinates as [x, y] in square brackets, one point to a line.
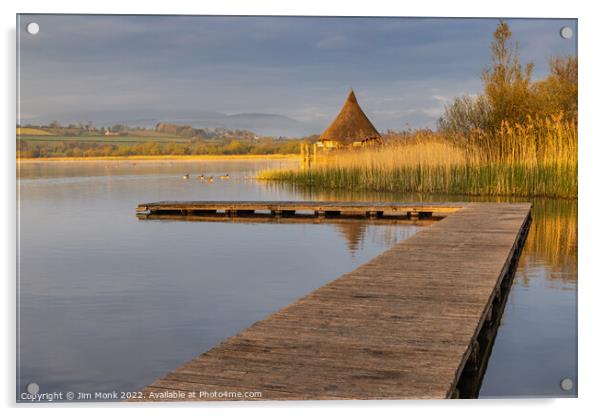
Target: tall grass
[535, 159]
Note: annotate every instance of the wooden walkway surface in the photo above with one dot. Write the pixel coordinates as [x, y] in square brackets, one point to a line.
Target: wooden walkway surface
[405, 325]
[289, 208]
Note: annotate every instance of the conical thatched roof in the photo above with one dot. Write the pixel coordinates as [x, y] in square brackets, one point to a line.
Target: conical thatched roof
[351, 125]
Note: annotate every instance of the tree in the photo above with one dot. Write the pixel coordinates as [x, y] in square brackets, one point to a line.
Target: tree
[509, 95]
[506, 84]
[559, 91]
[465, 115]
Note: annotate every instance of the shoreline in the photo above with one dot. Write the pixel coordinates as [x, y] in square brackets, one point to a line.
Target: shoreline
[157, 158]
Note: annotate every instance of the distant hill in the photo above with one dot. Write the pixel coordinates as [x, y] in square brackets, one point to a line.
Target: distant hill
[188, 131]
[263, 124]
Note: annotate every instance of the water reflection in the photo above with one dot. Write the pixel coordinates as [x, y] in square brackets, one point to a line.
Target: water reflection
[353, 232]
[177, 168]
[552, 238]
[95, 284]
[108, 302]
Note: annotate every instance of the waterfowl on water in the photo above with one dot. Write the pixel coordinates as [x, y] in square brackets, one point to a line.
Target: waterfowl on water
[186, 176]
[210, 179]
[201, 177]
[225, 177]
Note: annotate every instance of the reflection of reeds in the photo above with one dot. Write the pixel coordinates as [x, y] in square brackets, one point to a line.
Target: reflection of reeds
[553, 237]
[536, 159]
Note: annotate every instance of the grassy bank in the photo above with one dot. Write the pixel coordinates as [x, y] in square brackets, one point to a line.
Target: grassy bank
[534, 159]
[126, 146]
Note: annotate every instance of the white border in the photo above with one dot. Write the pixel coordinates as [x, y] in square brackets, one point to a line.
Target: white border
[590, 157]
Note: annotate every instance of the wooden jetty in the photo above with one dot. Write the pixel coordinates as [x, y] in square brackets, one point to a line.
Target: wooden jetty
[297, 208]
[415, 322]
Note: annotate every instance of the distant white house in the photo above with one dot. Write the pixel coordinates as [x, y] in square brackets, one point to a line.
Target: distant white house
[111, 133]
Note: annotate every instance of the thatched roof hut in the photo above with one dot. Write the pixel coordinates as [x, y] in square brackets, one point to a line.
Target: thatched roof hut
[350, 128]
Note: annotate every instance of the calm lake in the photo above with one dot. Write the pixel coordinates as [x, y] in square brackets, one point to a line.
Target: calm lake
[108, 302]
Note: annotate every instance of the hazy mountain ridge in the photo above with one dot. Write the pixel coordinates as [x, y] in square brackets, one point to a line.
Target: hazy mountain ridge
[263, 124]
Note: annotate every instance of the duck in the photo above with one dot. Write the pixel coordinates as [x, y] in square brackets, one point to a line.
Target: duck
[201, 177]
[186, 176]
[225, 177]
[210, 179]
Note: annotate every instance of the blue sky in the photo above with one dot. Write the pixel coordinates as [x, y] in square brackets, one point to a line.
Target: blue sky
[404, 70]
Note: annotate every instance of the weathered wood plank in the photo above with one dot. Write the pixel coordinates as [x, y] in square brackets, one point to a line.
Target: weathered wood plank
[401, 326]
[364, 208]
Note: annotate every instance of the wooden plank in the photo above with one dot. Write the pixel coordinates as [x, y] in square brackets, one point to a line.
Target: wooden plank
[359, 207]
[401, 326]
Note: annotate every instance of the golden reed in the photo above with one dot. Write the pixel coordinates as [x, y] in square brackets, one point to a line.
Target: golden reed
[538, 158]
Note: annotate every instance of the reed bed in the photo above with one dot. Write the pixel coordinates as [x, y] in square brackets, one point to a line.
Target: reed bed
[535, 159]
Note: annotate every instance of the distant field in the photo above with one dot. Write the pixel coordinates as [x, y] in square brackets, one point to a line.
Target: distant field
[27, 131]
[152, 133]
[102, 139]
